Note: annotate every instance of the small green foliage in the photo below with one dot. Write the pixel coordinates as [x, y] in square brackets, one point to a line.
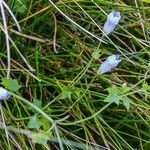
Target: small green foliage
[11, 84]
[113, 96]
[45, 124]
[145, 87]
[146, 1]
[34, 123]
[77, 93]
[37, 103]
[65, 94]
[124, 89]
[96, 54]
[116, 94]
[126, 102]
[40, 137]
[20, 7]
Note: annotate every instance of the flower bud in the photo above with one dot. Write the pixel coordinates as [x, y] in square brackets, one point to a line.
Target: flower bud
[110, 63]
[4, 94]
[111, 22]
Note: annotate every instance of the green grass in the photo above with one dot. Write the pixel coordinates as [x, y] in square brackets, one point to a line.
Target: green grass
[62, 104]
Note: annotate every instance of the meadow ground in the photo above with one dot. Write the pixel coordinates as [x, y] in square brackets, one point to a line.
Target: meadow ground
[63, 103]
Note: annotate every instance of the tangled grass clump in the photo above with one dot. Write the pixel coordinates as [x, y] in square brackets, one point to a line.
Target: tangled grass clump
[63, 103]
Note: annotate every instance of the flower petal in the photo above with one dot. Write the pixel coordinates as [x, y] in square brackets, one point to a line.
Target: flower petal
[110, 63]
[4, 94]
[111, 22]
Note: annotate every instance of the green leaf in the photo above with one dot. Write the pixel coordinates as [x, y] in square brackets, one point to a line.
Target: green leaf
[126, 103]
[145, 87]
[113, 96]
[78, 94]
[96, 54]
[40, 137]
[146, 1]
[45, 124]
[124, 89]
[65, 94]
[11, 84]
[34, 123]
[20, 7]
[37, 103]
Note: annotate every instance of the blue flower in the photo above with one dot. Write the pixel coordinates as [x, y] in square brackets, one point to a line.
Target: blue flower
[111, 22]
[109, 63]
[4, 94]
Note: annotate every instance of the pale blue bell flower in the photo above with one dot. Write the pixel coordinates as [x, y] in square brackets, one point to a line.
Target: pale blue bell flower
[4, 94]
[110, 63]
[111, 22]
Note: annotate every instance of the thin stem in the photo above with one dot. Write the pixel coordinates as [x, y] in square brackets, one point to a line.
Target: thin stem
[58, 138]
[13, 16]
[54, 37]
[6, 38]
[4, 125]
